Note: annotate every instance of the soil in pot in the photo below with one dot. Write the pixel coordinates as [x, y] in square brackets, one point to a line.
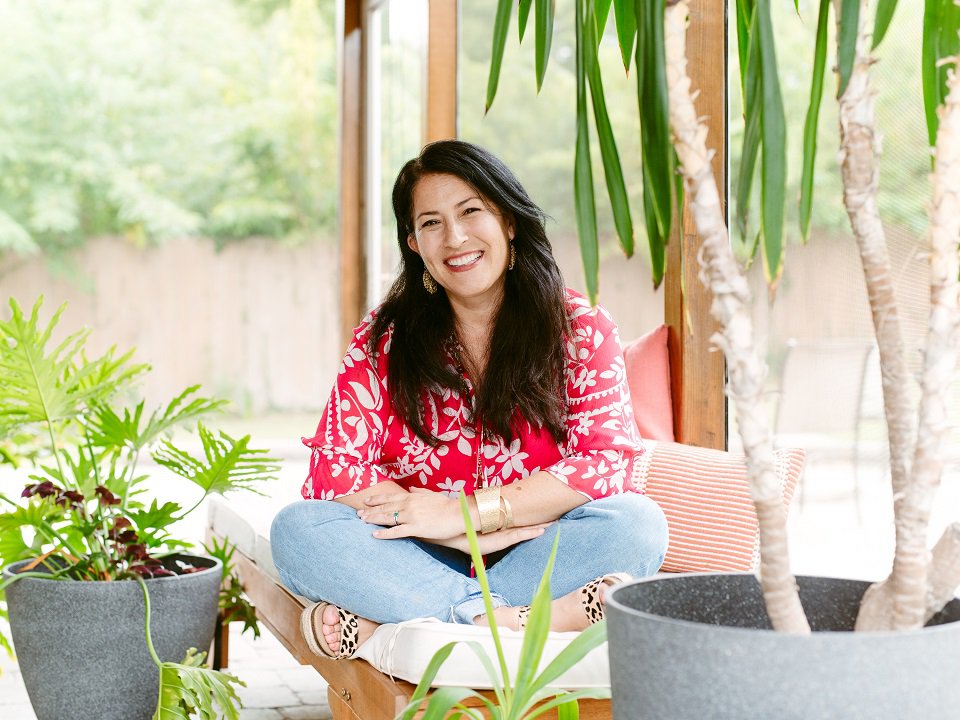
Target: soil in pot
[700, 646]
[82, 647]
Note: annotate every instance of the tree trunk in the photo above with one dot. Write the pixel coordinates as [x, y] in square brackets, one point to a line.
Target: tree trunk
[859, 156]
[731, 307]
[940, 359]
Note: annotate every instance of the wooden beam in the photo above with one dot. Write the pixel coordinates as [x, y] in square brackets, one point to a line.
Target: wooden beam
[697, 370]
[352, 255]
[440, 118]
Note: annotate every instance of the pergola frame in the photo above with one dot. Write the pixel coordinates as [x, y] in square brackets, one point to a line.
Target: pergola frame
[697, 371]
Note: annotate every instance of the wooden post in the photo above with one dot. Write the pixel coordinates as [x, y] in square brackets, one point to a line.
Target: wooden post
[697, 369]
[352, 256]
[440, 116]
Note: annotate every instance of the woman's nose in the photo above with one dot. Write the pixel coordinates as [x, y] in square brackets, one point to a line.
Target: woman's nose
[456, 234]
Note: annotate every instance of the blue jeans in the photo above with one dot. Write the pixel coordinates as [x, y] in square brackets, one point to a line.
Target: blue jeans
[322, 550]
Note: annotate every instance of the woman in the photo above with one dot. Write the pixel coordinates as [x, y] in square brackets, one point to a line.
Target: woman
[480, 372]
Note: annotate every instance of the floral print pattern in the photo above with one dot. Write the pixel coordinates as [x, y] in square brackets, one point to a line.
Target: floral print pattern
[361, 441]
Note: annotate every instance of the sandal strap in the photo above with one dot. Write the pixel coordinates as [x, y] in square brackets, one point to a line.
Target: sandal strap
[591, 594]
[311, 619]
[523, 613]
[349, 634]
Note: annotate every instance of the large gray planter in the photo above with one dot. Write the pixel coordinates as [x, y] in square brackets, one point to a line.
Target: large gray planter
[700, 646]
[82, 648]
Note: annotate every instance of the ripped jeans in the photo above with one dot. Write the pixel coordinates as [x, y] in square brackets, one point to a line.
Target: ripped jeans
[322, 550]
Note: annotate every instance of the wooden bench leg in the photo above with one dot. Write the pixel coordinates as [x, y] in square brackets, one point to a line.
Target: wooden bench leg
[221, 644]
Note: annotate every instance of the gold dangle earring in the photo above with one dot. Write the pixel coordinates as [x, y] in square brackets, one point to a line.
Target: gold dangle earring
[429, 284]
[513, 256]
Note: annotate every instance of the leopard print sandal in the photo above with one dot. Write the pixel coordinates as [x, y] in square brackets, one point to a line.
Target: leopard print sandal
[311, 620]
[591, 594]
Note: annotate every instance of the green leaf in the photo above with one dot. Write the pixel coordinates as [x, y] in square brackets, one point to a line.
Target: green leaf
[655, 241]
[885, 10]
[941, 21]
[156, 517]
[656, 146]
[13, 546]
[501, 27]
[584, 202]
[812, 121]
[562, 698]
[745, 14]
[626, 30]
[189, 690]
[773, 164]
[593, 637]
[41, 386]
[524, 14]
[543, 38]
[616, 186]
[847, 42]
[445, 698]
[535, 635]
[426, 680]
[601, 11]
[227, 464]
[752, 88]
[569, 710]
[110, 430]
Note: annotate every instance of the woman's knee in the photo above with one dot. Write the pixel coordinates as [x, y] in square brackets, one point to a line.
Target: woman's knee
[301, 524]
[636, 530]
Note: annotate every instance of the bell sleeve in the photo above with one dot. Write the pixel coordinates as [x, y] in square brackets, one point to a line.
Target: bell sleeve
[603, 447]
[349, 439]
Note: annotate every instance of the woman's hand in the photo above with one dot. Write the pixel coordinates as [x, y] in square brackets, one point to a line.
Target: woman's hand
[494, 541]
[418, 513]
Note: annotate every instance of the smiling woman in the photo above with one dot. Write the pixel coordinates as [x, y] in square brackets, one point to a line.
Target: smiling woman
[479, 373]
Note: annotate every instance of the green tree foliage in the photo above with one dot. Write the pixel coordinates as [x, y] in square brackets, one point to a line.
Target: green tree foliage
[155, 120]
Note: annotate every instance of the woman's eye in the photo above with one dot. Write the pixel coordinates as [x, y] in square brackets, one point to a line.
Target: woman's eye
[428, 223]
[470, 210]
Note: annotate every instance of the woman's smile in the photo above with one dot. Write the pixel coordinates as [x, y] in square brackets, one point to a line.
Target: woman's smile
[464, 261]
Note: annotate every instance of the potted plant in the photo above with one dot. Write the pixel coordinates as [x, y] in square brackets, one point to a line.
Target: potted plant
[674, 648]
[106, 608]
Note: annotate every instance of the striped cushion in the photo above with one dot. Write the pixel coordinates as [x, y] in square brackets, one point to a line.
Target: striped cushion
[704, 494]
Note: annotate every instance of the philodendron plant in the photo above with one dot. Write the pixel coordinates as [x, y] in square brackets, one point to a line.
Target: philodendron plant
[81, 516]
[529, 694]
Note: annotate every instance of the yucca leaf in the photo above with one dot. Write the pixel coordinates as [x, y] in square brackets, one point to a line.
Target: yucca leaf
[543, 38]
[523, 15]
[745, 15]
[885, 10]
[626, 30]
[812, 122]
[569, 710]
[445, 698]
[189, 690]
[941, 21]
[593, 637]
[601, 11]
[426, 680]
[752, 87]
[656, 148]
[616, 186]
[847, 41]
[501, 27]
[773, 166]
[656, 242]
[564, 698]
[477, 558]
[535, 633]
[584, 202]
[227, 464]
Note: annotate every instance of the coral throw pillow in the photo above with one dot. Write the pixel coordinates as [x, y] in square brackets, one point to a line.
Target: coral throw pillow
[648, 375]
[704, 494]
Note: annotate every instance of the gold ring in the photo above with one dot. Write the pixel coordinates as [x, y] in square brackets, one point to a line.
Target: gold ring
[396, 517]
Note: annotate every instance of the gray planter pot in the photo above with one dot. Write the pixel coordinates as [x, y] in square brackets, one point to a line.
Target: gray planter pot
[82, 648]
[700, 646]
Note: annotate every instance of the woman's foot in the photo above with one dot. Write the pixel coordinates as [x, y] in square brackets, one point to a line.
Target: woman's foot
[334, 632]
[573, 612]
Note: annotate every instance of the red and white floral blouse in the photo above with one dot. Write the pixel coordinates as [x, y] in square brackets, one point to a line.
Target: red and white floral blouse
[361, 440]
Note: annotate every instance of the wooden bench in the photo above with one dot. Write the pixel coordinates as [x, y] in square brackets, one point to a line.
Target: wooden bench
[356, 690]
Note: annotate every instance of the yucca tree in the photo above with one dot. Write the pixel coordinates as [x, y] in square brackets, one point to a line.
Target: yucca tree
[652, 33]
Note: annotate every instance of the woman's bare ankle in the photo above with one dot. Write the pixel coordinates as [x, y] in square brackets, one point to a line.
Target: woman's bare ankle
[505, 617]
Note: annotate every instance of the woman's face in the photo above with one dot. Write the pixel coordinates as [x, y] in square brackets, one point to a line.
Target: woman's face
[462, 239]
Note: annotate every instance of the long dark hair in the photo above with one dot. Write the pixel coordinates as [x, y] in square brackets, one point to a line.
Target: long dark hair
[525, 367]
